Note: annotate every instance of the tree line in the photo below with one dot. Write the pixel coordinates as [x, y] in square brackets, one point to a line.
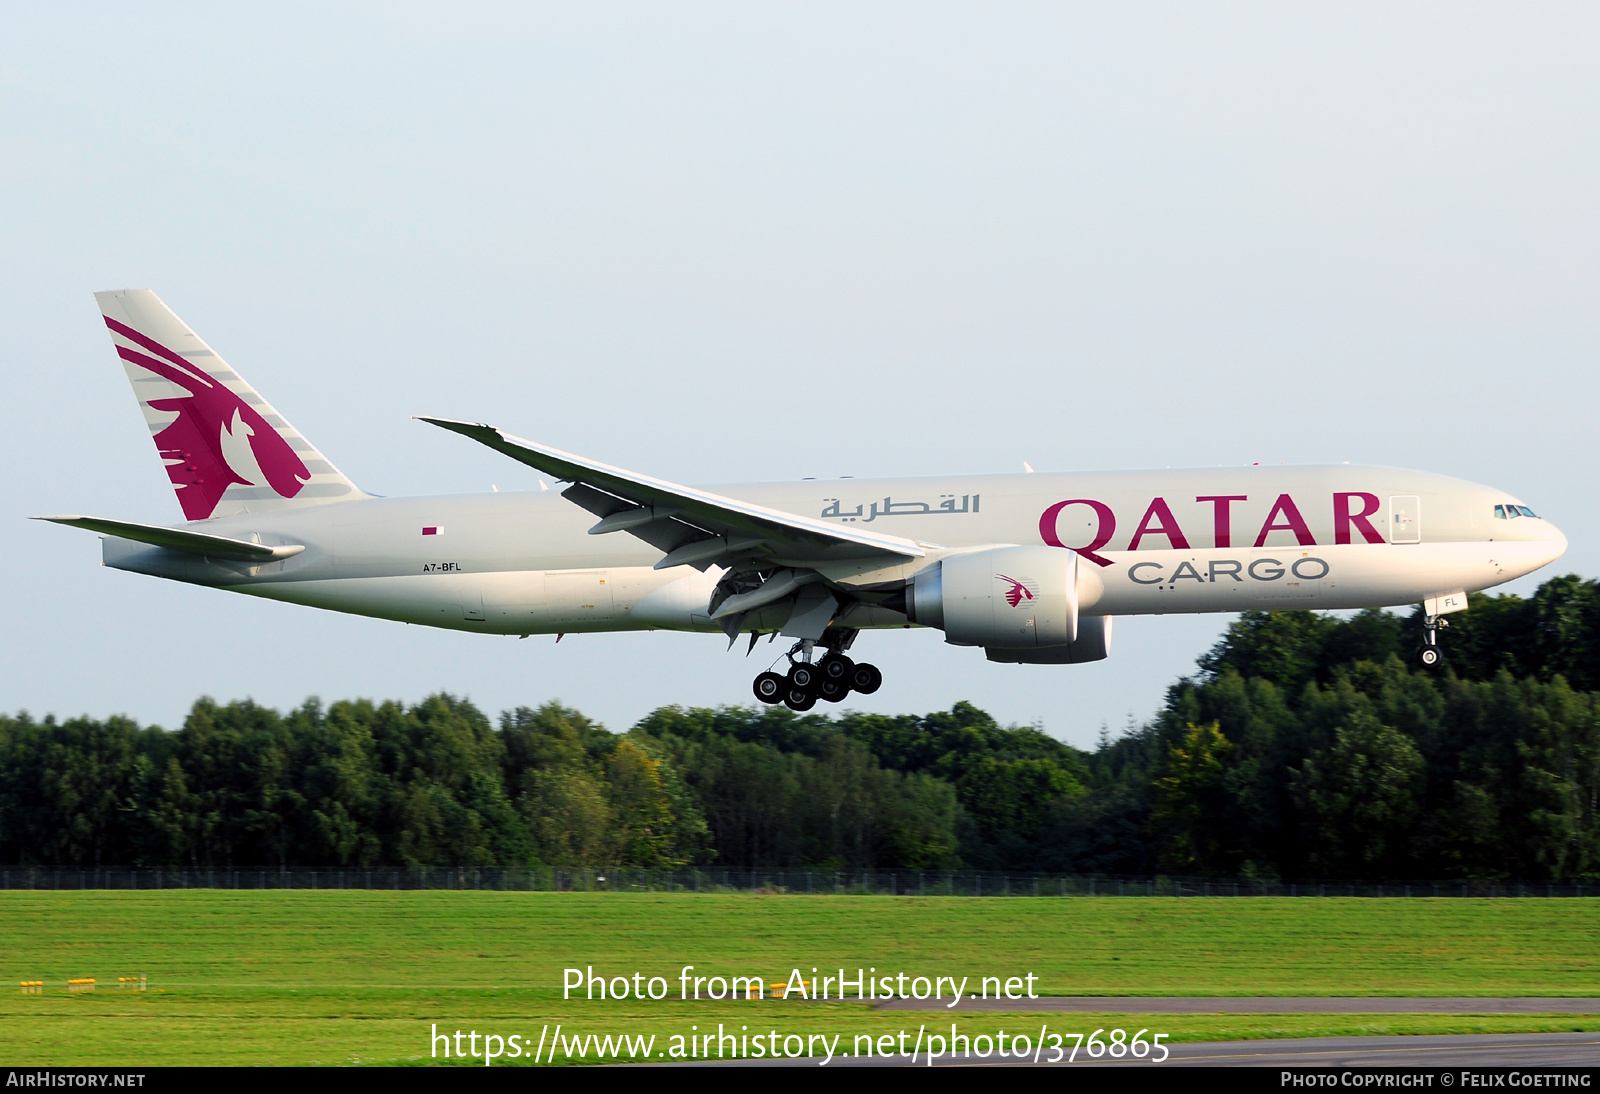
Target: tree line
[1304, 746]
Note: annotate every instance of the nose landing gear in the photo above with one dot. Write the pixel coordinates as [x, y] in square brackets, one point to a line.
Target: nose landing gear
[1429, 655]
[830, 679]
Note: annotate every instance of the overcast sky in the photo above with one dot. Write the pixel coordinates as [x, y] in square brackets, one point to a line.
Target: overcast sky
[757, 241]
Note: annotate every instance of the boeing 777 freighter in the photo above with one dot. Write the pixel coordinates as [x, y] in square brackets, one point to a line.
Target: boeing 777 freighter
[1031, 568]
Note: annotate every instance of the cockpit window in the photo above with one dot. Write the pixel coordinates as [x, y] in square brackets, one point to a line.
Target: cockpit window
[1528, 512]
[1511, 512]
[1499, 512]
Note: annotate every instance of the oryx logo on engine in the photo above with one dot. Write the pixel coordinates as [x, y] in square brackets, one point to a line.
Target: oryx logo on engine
[1018, 592]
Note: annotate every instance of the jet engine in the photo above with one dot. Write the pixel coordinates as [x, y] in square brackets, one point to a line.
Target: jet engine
[1004, 598]
[1092, 644]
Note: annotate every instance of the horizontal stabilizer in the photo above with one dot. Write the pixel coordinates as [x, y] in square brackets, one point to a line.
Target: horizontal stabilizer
[194, 543]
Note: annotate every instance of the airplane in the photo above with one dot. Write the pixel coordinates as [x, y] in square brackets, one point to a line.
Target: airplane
[1031, 568]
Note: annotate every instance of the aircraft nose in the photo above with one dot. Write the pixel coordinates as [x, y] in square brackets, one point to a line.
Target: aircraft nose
[1556, 541]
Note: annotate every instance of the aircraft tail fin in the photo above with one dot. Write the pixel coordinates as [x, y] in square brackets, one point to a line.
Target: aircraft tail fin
[226, 450]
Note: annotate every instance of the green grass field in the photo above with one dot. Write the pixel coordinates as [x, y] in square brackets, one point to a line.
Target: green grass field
[296, 977]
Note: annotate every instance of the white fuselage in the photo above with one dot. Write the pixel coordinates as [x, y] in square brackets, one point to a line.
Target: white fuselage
[1158, 542]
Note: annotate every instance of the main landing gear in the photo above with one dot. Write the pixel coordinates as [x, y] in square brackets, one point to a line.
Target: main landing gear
[830, 679]
[1429, 655]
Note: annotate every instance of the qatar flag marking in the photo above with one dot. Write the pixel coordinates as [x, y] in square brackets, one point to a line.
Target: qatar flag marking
[433, 530]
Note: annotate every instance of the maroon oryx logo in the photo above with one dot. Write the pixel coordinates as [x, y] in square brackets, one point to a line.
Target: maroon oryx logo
[215, 435]
[1018, 591]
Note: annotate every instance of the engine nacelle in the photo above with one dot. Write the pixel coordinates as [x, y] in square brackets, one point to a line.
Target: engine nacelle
[1007, 598]
[1092, 644]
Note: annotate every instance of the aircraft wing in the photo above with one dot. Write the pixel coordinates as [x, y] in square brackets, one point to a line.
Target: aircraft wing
[179, 539]
[694, 527]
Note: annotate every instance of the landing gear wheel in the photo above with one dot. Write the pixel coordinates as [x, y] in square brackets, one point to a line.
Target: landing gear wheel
[866, 679]
[832, 690]
[804, 677]
[1429, 657]
[769, 687]
[799, 699]
[837, 667]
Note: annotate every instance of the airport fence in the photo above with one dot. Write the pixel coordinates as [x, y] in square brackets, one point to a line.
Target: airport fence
[907, 883]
